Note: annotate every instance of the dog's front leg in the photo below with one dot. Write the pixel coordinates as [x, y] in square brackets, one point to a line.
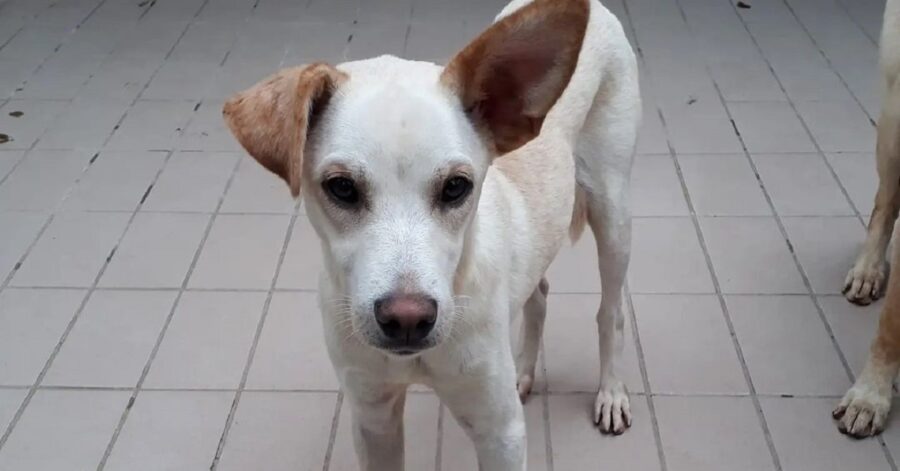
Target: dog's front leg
[490, 412]
[377, 426]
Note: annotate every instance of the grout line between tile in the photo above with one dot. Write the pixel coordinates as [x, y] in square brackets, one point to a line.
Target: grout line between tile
[545, 404]
[724, 308]
[88, 294]
[793, 106]
[136, 390]
[778, 217]
[645, 380]
[865, 32]
[825, 56]
[642, 365]
[439, 449]
[412, 392]
[335, 421]
[776, 461]
[255, 343]
[14, 166]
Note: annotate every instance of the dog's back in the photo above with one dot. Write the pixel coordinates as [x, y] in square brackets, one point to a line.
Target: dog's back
[597, 116]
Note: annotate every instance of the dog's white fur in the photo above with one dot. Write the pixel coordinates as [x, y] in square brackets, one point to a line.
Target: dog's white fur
[394, 124]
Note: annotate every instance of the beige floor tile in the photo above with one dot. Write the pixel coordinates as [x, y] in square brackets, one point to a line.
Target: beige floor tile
[811, 238]
[302, 260]
[191, 181]
[802, 185]
[42, 180]
[751, 256]
[279, 432]
[655, 188]
[854, 327]
[707, 364]
[171, 430]
[805, 438]
[726, 434]
[257, 190]
[17, 230]
[207, 343]
[577, 444]
[291, 352]
[112, 340]
[72, 250]
[786, 346]
[157, 251]
[241, 251]
[64, 430]
[723, 185]
[31, 325]
[666, 258]
[10, 400]
[116, 181]
[858, 176]
[770, 127]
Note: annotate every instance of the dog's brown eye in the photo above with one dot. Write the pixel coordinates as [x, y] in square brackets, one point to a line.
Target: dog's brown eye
[342, 189]
[455, 190]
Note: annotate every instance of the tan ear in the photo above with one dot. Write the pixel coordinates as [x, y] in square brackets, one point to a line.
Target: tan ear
[510, 76]
[272, 118]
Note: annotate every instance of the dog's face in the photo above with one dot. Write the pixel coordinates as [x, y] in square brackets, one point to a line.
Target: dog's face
[391, 155]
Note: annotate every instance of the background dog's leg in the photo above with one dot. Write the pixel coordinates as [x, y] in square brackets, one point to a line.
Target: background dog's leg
[378, 427]
[865, 407]
[865, 280]
[534, 313]
[489, 410]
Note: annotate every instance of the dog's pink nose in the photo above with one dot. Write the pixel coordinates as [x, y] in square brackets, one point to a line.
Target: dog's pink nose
[407, 318]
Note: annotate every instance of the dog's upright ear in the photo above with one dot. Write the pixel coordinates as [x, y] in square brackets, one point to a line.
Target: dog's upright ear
[272, 118]
[510, 76]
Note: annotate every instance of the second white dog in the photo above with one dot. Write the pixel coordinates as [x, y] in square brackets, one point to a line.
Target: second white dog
[441, 195]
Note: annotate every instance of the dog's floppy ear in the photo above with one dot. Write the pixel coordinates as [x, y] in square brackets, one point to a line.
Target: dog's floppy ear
[510, 76]
[272, 118]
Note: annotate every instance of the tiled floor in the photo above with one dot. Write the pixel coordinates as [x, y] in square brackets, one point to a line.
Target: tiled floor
[157, 305]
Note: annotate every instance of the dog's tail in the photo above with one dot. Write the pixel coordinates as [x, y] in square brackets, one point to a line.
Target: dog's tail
[579, 214]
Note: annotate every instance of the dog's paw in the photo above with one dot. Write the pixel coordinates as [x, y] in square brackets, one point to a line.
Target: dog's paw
[524, 385]
[612, 410]
[864, 283]
[863, 411]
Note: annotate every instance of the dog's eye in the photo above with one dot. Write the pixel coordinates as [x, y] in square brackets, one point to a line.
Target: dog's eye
[455, 190]
[342, 189]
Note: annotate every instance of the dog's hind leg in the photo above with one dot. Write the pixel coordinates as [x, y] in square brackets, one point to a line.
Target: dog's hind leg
[864, 409]
[611, 224]
[534, 313]
[865, 280]
[605, 150]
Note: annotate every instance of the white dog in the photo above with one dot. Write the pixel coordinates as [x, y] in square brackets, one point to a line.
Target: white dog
[431, 239]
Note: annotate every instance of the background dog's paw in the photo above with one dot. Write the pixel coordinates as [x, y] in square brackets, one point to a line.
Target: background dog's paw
[864, 283]
[524, 385]
[612, 410]
[863, 411]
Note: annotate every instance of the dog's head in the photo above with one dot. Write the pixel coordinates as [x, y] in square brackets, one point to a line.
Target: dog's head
[390, 156]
